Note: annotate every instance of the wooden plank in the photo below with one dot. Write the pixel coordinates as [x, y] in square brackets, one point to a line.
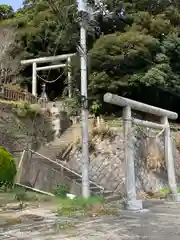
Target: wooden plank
[35, 190]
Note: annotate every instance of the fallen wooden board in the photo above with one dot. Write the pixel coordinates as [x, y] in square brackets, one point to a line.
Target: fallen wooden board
[35, 190]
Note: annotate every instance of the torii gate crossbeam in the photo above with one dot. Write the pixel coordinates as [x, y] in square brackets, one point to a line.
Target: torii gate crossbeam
[51, 59]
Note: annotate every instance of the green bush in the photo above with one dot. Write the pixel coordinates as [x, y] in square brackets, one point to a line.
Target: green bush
[7, 168]
[23, 110]
[61, 190]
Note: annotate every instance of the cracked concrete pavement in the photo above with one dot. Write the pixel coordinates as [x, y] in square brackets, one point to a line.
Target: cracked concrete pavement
[161, 222]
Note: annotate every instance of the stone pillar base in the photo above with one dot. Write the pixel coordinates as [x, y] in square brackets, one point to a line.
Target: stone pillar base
[134, 205]
[174, 197]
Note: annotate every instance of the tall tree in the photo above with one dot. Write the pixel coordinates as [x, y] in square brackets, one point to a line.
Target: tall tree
[135, 47]
[6, 11]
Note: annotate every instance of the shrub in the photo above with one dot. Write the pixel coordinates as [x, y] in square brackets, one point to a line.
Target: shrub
[23, 109]
[164, 192]
[96, 108]
[35, 109]
[61, 190]
[7, 168]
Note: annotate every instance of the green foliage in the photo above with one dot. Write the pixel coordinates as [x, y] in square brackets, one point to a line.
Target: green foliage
[123, 55]
[72, 106]
[61, 190]
[23, 109]
[145, 55]
[128, 55]
[6, 11]
[96, 108]
[69, 207]
[7, 168]
[165, 191]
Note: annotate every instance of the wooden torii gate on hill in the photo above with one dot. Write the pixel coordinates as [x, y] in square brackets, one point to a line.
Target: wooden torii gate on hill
[128, 105]
[51, 59]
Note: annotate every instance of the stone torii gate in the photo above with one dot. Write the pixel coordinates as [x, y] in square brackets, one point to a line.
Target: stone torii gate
[128, 105]
[51, 59]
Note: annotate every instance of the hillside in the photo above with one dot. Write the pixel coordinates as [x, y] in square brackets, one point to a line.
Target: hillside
[23, 125]
[133, 50]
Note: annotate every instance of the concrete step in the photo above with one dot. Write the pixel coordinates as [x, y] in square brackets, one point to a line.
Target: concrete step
[70, 174]
[61, 147]
[107, 193]
[113, 197]
[94, 189]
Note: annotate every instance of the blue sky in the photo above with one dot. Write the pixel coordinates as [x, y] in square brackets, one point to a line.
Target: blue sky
[14, 3]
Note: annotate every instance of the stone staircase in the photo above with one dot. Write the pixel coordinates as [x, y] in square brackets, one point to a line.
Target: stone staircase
[53, 154]
[56, 148]
[50, 155]
[69, 174]
[59, 148]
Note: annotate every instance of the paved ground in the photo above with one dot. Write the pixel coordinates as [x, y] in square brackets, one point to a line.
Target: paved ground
[160, 223]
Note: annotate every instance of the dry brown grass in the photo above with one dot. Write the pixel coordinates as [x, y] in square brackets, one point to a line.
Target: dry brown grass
[177, 138]
[91, 143]
[149, 195]
[103, 132]
[153, 155]
[101, 210]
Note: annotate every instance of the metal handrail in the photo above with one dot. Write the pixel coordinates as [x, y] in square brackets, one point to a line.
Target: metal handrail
[61, 165]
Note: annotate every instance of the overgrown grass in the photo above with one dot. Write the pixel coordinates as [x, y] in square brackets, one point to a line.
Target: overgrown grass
[78, 207]
[81, 207]
[164, 192]
[20, 195]
[27, 196]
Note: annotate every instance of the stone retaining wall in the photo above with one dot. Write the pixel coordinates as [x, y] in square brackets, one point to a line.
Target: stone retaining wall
[107, 166]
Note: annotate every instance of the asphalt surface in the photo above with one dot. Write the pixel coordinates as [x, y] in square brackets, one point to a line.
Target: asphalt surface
[161, 222]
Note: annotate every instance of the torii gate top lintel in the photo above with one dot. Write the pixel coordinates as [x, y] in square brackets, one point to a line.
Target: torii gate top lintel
[47, 59]
[123, 102]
